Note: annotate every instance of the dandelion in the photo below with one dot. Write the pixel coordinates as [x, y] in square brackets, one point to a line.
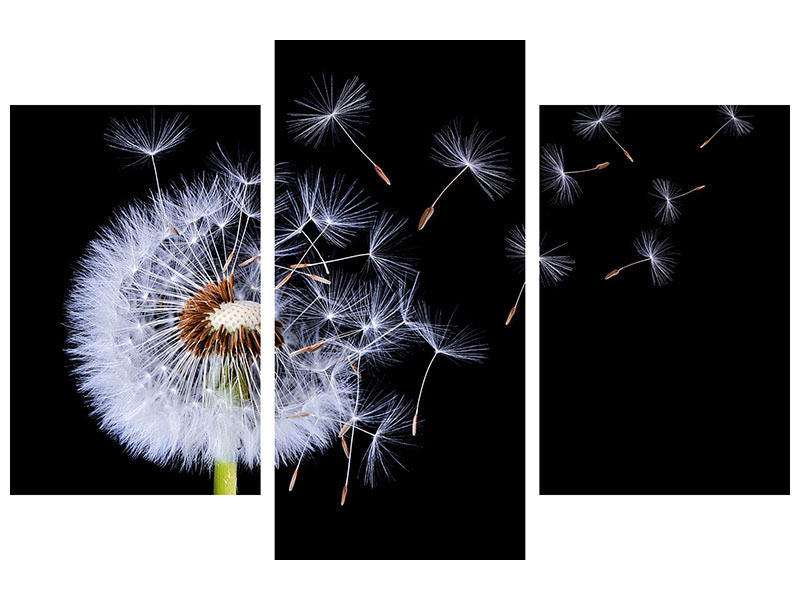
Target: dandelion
[446, 339]
[479, 153]
[164, 323]
[667, 194]
[146, 139]
[554, 177]
[329, 210]
[658, 252]
[244, 170]
[328, 110]
[553, 268]
[597, 120]
[334, 339]
[515, 251]
[733, 123]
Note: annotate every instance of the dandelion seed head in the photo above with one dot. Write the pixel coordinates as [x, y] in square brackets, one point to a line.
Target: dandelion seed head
[735, 123]
[515, 246]
[553, 267]
[667, 207]
[328, 107]
[660, 252]
[477, 151]
[592, 121]
[146, 138]
[165, 346]
[459, 343]
[553, 177]
[388, 248]
[243, 169]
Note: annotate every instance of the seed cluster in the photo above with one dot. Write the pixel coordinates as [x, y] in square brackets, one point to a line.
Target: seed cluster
[212, 321]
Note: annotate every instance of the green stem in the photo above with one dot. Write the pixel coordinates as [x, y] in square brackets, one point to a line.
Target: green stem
[224, 478]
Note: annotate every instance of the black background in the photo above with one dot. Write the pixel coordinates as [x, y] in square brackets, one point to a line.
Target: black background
[65, 184]
[681, 389]
[463, 493]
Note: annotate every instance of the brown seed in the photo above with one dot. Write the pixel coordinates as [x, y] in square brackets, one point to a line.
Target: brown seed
[249, 260]
[381, 174]
[294, 478]
[345, 448]
[284, 280]
[352, 366]
[602, 166]
[699, 187]
[345, 429]
[175, 231]
[227, 262]
[299, 266]
[414, 425]
[630, 158]
[613, 273]
[703, 145]
[344, 494]
[423, 220]
[315, 346]
[511, 314]
[321, 279]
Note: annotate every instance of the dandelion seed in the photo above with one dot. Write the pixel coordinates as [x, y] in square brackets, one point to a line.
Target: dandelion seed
[553, 268]
[554, 177]
[328, 110]
[165, 342]
[244, 170]
[658, 252]
[147, 138]
[597, 120]
[732, 123]
[337, 338]
[458, 344]
[479, 153]
[515, 251]
[667, 194]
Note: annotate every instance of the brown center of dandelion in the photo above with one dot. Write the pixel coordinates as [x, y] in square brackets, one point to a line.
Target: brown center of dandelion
[213, 321]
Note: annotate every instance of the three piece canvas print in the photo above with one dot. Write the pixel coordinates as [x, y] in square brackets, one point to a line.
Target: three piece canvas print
[398, 342]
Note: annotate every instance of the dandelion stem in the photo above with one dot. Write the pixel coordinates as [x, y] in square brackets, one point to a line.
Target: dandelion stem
[449, 184]
[616, 272]
[380, 172]
[704, 144]
[352, 435]
[291, 271]
[158, 187]
[599, 167]
[613, 139]
[333, 260]
[428, 213]
[322, 258]
[419, 398]
[224, 477]
[699, 187]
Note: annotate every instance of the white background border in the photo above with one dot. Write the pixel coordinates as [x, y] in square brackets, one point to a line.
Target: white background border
[149, 52]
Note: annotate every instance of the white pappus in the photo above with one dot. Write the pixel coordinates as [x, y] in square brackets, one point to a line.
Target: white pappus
[329, 110]
[667, 194]
[554, 177]
[477, 152]
[655, 250]
[733, 123]
[597, 121]
[164, 320]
